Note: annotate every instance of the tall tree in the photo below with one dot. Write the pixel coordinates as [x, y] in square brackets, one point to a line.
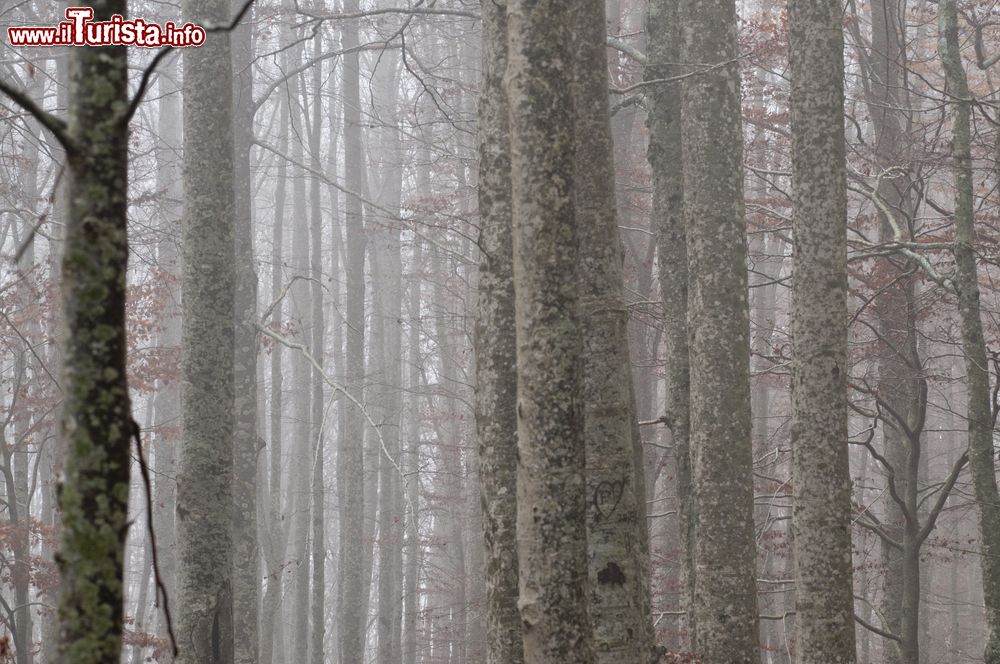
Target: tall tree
[666, 165]
[205, 476]
[551, 509]
[496, 350]
[353, 580]
[97, 425]
[247, 441]
[725, 606]
[980, 415]
[616, 515]
[824, 601]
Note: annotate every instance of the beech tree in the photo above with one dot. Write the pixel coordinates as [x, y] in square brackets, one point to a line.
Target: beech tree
[725, 602]
[551, 504]
[821, 477]
[205, 474]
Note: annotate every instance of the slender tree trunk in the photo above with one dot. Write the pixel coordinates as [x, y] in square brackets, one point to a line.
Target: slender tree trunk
[821, 474]
[623, 629]
[725, 607]
[272, 636]
[317, 343]
[665, 160]
[352, 610]
[167, 403]
[205, 479]
[496, 351]
[247, 441]
[411, 587]
[552, 507]
[980, 417]
[96, 422]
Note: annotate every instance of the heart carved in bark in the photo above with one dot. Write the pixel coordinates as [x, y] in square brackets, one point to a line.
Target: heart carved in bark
[607, 495]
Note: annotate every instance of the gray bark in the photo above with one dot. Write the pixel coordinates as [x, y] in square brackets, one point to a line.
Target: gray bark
[616, 523]
[352, 611]
[665, 160]
[980, 416]
[725, 606]
[824, 601]
[205, 478]
[552, 508]
[247, 441]
[496, 350]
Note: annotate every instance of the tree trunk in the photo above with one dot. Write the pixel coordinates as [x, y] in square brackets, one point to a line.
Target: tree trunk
[272, 636]
[665, 160]
[980, 417]
[96, 422]
[821, 474]
[725, 607]
[318, 346]
[552, 507]
[205, 479]
[352, 614]
[247, 442]
[618, 576]
[496, 351]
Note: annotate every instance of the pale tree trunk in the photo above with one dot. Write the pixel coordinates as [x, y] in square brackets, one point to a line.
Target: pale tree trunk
[317, 343]
[54, 453]
[411, 572]
[388, 317]
[496, 350]
[618, 577]
[17, 456]
[665, 160]
[899, 373]
[552, 505]
[96, 420]
[352, 612]
[204, 483]
[272, 636]
[167, 401]
[304, 429]
[725, 606]
[980, 417]
[246, 443]
[821, 475]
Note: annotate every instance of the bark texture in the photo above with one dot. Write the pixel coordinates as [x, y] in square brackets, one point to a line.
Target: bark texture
[96, 419]
[354, 578]
[824, 602]
[980, 418]
[666, 163]
[496, 350]
[204, 485]
[725, 606]
[616, 539]
[552, 510]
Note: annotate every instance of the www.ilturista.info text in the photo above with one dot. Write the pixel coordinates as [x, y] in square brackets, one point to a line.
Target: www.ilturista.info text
[79, 30]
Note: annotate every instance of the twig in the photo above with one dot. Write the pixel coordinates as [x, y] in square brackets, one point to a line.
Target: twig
[160, 586]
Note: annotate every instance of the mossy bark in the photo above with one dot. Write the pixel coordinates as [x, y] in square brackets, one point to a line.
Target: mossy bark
[96, 424]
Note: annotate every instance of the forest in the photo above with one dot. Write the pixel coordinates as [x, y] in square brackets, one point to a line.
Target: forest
[499, 332]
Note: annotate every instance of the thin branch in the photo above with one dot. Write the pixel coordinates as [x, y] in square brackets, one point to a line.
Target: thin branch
[161, 588]
[54, 124]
